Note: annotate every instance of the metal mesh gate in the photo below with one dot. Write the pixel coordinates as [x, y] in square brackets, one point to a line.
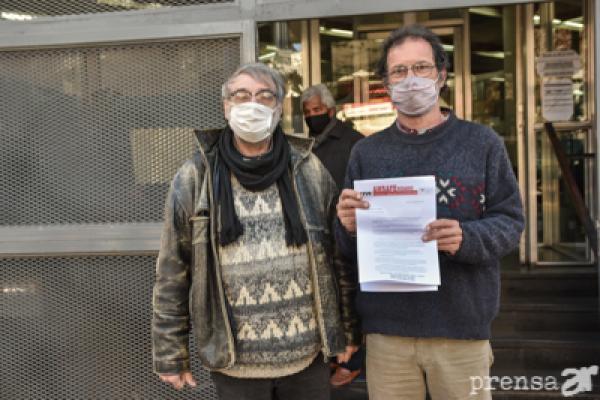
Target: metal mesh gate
[23, 10]
[94, 135]
[79, 328]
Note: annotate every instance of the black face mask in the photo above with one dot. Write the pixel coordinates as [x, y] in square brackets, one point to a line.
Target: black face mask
[317, 123]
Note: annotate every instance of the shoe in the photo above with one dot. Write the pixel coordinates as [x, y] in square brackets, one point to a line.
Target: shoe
[343, 376]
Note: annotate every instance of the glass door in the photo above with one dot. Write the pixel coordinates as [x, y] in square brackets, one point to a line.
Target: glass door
[349, 48]
[557, 235]
[342, 53]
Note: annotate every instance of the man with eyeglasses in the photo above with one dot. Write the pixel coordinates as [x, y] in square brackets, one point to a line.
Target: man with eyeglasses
[247, 258]
[434, 341]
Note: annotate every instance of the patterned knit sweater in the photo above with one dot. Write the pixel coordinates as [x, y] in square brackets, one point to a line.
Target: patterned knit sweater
[269, 290]
[477, 187]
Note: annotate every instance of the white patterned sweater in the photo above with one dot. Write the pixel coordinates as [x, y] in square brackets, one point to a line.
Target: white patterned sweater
[269, 291]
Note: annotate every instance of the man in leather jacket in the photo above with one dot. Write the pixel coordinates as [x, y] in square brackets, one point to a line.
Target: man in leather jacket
[248, 258]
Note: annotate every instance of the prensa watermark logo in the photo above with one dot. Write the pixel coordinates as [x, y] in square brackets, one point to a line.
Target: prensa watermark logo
[579, 380]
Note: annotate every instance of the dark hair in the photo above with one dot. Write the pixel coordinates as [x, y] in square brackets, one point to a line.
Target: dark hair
[398, 37]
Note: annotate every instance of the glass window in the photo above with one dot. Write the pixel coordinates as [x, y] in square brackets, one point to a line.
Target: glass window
[561, 237]
[493, 71]
[282, 48]
[560, 26]
[350, 49]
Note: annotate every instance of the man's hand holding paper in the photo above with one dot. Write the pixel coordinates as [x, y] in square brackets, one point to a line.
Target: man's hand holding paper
[447, 233]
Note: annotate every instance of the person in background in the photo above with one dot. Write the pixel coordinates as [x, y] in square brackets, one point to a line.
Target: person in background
[333, 142]
[334, 139]
[434, 341]
[247, 254]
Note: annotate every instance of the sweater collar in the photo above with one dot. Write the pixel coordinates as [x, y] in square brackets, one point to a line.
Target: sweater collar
[431, 135]
[405, 129]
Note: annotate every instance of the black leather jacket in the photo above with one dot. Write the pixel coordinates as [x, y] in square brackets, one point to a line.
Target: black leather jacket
[188, 289]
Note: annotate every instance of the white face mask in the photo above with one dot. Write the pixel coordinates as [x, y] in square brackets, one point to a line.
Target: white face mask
[252, 122]
[414, 95]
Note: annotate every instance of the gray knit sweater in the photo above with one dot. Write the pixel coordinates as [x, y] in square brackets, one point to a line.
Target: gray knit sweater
[269, 291]
[476, 186]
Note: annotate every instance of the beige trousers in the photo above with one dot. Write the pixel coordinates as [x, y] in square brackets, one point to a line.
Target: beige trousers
[398, 367]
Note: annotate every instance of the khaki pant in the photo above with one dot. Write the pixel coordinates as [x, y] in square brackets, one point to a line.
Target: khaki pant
[397, 368]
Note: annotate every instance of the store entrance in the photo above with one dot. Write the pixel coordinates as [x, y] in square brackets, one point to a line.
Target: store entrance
[491, 80]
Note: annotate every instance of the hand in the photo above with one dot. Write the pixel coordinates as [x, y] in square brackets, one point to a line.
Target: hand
[178, 381]
[347, 204]
[448, 234]
[345, 357]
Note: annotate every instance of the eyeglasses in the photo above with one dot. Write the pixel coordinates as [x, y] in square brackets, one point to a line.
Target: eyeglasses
[421, 70]
[265, 97]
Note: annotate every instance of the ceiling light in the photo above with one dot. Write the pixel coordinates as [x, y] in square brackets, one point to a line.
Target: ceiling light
[491, 54]
[485, 11]
[573, 24]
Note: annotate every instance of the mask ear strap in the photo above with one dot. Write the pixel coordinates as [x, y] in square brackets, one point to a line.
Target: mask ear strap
[440, 76]
[276, 117]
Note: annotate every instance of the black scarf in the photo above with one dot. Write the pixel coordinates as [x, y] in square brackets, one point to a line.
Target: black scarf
[255, 174]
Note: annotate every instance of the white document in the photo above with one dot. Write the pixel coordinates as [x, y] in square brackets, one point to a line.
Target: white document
[557, 99]
[392, 257]
[558, 63]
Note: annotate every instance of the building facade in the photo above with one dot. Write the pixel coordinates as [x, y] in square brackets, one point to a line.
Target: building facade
[99, 102]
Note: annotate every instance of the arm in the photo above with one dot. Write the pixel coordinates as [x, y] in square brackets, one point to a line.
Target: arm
[347, 278]
[171, 320]
[347, 282]
[499, 229]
